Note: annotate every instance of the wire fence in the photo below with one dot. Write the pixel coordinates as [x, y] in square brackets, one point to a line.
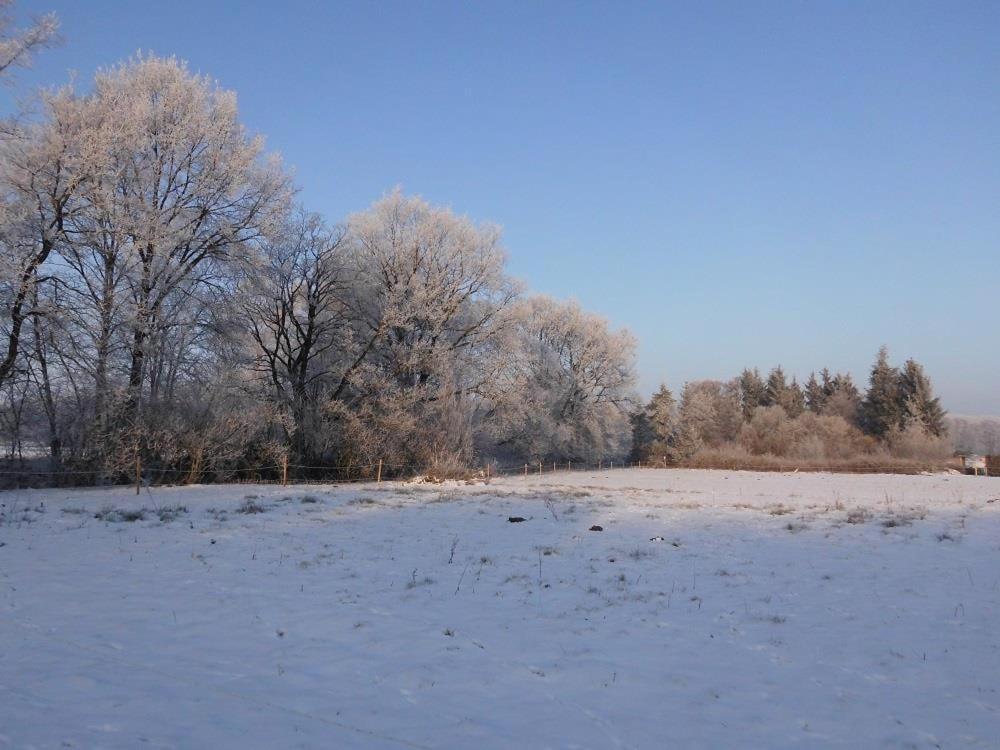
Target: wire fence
[286, 473]
[25, 476]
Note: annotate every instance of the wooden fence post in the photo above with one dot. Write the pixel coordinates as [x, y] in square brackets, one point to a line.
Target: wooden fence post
[526, 471]
[378, 477]
[284, 471]
[539, 468]
[138, 473]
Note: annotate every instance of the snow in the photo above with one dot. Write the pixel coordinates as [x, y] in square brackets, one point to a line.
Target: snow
[715, 609]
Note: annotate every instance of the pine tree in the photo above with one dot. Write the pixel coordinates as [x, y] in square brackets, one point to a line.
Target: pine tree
[917, 400]
[775, 391]
[881, 410]
[653, 427]
[794, 400]
[695, 419]
[660, 412]
[842, 397]
[642, 434]
[842, 383]
[752, 392]
[815, 393]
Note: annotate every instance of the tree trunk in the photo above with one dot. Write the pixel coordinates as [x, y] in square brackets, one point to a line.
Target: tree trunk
[103, 352]
[18, 314]
[48, 402]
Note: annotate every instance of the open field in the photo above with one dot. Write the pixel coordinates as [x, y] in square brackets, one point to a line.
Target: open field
[715, 609]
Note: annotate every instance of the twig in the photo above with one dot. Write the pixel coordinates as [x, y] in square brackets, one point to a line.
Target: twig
[460, 578]
[551, 506]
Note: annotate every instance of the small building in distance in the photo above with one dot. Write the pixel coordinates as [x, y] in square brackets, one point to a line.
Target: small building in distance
[973, 464]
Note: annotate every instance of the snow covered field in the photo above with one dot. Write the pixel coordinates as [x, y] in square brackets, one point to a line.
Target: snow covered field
[715, 609]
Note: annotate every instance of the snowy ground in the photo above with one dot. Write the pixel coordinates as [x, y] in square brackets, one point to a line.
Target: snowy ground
[776, 611]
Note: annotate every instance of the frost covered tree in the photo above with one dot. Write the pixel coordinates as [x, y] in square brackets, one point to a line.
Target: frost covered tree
[131, 200]
[661, 410]
[881, 410]
[18, 46]
[816, 394]
[653, 427]
[295, 299]
[710, 415]
[430, 288]
[566, 387]
[795, 401]
[840, 397]
[178, 186]
[779, 392]
[920, 405]
[40, 173]
[753, 392]
[975, 435]
[429, 304]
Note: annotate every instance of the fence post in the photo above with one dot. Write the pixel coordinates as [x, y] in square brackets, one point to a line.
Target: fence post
[284, 470]
[378, 477]
[526, 471]
[539, 468]
[138, 473]
[553, 467]
[487, 469]
[569, 466]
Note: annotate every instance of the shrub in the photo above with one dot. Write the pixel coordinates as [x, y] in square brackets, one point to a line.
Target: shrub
[770, 432]
[115, 515]
[914, 442]
[249, 507]
[829, 437]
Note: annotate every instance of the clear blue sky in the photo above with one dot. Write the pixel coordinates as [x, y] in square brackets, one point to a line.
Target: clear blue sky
[739, 183]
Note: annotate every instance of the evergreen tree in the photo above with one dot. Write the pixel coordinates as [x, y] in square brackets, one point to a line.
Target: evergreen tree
[777, 385]
[752, 392]
[917, 400]
[881, 410]
[794, 400]
[842, 383]
[642, 434]
[653, 427]
[816, 394]
[660, 412]
[828, 382]
[695, 419]
[842, 397]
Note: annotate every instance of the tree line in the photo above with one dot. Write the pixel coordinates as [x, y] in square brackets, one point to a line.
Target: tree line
[827, 419]
[166, 302]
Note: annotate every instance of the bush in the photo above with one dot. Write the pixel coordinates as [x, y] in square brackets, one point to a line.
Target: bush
[828, 437]
[917, 444]
[735, 457]
[770, 432]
